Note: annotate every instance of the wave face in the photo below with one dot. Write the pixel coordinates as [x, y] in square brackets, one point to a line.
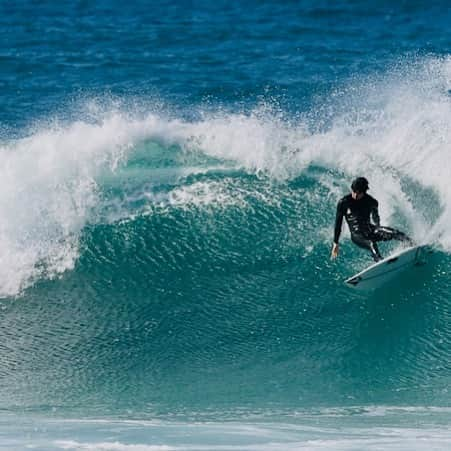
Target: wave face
[154, 261]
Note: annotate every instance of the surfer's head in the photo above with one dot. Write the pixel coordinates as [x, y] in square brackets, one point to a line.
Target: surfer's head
[359, 187]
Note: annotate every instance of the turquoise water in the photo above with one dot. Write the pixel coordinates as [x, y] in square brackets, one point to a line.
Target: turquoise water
[169, 179]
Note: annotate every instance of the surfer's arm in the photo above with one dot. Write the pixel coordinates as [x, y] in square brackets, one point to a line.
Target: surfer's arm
[337, 231]
[375, 214]
[338, 221]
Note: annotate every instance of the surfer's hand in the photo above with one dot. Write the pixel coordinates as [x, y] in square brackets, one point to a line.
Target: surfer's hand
[335, 250]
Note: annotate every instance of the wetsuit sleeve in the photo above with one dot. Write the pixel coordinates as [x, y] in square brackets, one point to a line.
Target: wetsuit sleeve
[375, 214]
[338, 221]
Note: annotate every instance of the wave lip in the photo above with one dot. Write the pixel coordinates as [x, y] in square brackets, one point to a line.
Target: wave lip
[48, 190]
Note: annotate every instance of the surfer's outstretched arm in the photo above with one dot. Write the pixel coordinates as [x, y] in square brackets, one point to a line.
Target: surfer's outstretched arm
[337, 231]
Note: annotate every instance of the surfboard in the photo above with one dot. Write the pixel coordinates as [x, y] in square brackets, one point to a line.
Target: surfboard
[381, 272]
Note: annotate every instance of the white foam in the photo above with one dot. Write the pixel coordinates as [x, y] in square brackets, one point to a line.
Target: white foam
[48, 187]
[320, 429]
[111, 446]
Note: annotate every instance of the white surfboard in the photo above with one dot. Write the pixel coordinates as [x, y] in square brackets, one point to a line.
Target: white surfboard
[377, 274]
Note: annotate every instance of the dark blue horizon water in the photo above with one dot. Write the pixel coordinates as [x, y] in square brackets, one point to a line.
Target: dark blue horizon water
[192, 53]
[169, 173]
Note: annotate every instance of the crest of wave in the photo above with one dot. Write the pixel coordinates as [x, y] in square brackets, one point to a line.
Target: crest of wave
[394, 128]
[48, 191]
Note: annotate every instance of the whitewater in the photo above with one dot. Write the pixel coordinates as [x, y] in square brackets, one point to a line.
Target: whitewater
[64, 174]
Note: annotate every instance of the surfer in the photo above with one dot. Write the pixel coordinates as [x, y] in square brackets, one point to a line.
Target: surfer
[358, 207]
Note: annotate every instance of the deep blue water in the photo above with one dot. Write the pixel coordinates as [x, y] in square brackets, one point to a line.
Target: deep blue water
[169, 173]
[191, 53]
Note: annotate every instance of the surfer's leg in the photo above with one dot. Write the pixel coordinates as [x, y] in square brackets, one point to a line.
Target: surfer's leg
[388, 233]
[365, 243]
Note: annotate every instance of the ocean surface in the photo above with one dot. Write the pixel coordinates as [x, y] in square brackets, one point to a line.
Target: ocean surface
[169, 173]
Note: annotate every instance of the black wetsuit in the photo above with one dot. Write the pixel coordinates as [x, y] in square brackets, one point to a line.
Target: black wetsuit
[364, 233]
